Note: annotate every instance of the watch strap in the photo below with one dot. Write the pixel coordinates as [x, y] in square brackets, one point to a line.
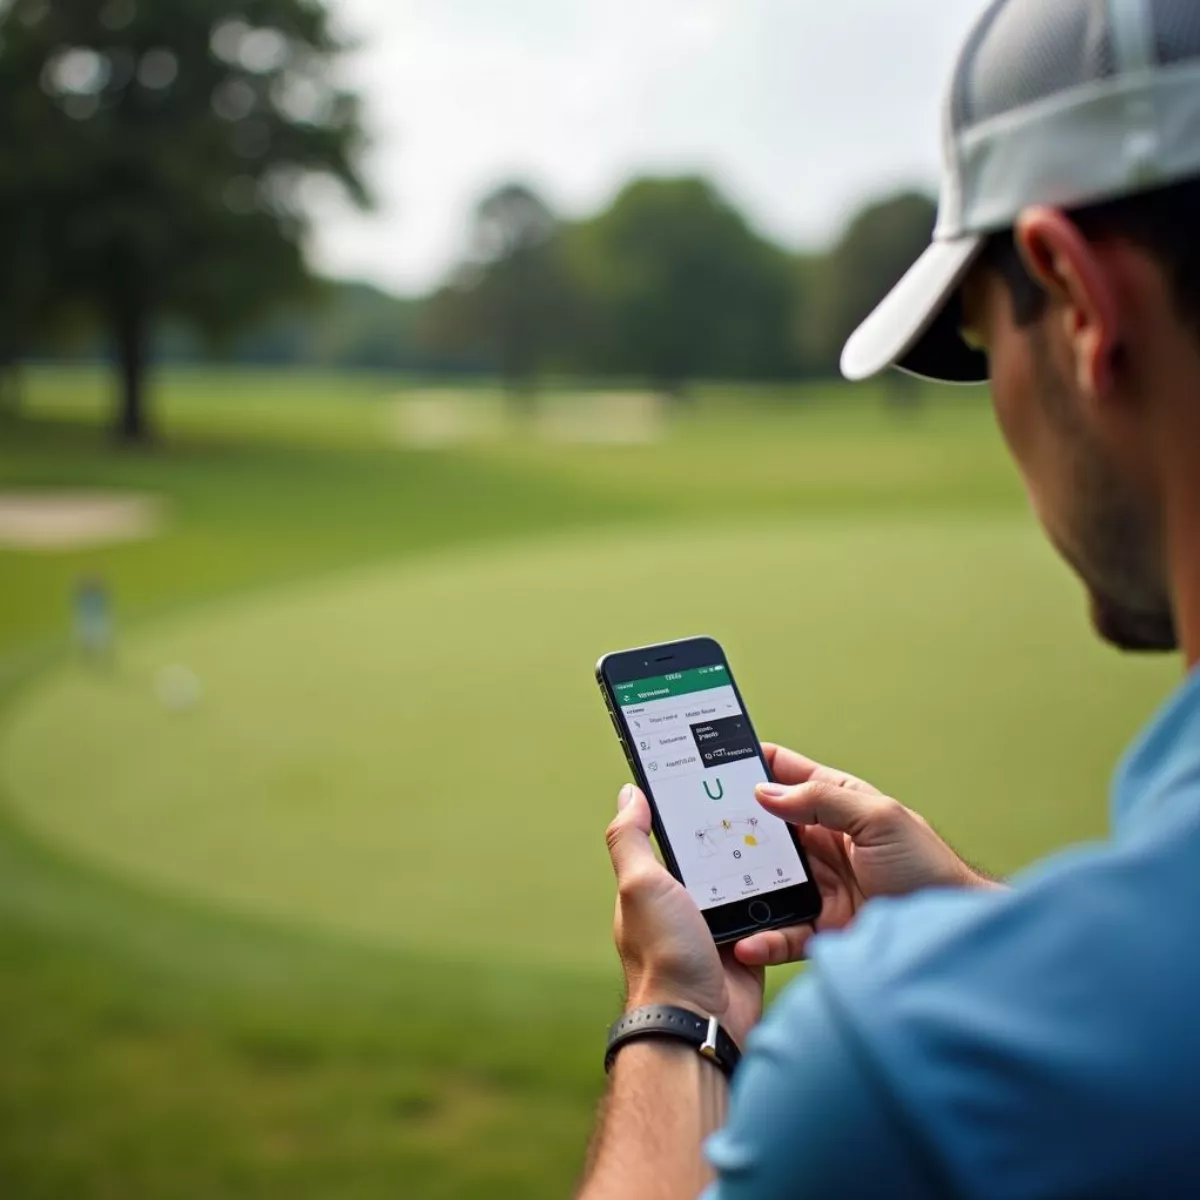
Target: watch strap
[666, 1021]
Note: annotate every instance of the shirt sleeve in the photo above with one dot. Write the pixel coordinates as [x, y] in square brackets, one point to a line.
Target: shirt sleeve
[807, 1119]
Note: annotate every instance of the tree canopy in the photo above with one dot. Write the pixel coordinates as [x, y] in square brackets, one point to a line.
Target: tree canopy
[681, 287]
[843, 286]
[511, 301]
[669, 284]
[155, 161]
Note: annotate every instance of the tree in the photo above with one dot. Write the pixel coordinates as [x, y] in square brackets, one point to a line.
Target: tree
[685, 288]
[511, 301]
[160, 154]
[839, 290]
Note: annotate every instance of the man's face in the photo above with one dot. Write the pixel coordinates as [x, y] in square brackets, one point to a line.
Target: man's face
[1091, 507]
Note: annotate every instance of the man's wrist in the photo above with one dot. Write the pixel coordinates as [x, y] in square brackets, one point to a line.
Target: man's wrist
[662, 1050]
[675, 1056]
[677, 998]
[645, 997]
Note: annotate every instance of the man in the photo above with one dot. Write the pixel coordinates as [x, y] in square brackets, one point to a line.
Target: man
[954, 1037]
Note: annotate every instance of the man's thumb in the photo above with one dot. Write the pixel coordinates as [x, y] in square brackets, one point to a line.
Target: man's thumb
[629, 834]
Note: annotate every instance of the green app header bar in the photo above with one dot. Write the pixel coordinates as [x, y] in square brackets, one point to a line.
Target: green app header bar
[662, 687]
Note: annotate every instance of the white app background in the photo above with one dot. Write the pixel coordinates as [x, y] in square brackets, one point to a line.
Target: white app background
[727, 846]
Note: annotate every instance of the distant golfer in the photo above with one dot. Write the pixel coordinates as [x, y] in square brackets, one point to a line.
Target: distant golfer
[955, 1037]
[92, 620]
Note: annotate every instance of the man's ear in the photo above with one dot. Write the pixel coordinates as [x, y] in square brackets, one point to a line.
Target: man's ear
[1065, 265]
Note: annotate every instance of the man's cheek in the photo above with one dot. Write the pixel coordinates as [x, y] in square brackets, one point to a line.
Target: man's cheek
[1013, 402]
[1028, 438]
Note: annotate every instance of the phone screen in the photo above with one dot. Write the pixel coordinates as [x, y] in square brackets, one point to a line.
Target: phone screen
[699, 756]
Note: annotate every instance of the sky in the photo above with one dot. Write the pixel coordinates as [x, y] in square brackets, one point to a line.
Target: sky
[799, 109]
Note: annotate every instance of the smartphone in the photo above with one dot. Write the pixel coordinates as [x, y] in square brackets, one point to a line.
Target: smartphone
[680, 718]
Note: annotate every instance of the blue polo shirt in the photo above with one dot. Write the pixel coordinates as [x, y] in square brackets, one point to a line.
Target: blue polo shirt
[1039, 1042]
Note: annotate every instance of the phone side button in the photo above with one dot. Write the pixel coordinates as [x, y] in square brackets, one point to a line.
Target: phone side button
[760, 913]
[627, 751]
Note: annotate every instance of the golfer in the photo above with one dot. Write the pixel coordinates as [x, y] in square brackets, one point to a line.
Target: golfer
[954, 1036]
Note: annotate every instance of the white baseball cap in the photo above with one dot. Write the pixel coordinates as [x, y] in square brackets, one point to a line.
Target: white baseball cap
[1058, 102]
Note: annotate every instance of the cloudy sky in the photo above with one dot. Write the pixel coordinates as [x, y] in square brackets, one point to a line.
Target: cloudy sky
[799, 108]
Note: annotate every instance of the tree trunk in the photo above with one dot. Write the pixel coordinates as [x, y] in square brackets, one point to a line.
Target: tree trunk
[10, 385]
[129, 338]
[673, 385]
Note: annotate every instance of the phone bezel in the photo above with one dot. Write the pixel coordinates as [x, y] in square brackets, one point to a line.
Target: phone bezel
[793, 906]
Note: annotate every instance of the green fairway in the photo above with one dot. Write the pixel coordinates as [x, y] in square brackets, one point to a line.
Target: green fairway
[341, 927]
[418, 756]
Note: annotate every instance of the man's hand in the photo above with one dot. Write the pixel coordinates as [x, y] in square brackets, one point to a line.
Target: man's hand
[860, 844]
[665, 945]
[663, 1099]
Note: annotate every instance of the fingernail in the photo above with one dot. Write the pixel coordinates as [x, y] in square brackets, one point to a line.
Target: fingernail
[772, 791]
[625, 799]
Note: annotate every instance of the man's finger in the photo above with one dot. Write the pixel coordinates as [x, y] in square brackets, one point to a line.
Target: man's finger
[829, 805]
[775, 947]
[787, 766]
[792, 769]
[629, 835]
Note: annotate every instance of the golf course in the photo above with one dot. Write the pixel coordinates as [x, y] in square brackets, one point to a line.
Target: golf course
[303, 892]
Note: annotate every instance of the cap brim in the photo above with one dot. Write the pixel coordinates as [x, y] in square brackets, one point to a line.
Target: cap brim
[917, 327]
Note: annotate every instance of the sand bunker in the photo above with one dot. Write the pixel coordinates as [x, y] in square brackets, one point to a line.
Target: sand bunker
[604, 419]
[431, 420]
[435, 419]
[57, 522]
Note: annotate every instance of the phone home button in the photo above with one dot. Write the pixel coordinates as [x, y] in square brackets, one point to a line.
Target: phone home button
[760, 913]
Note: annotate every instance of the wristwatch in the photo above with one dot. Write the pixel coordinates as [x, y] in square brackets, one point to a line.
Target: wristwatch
[680, 1024]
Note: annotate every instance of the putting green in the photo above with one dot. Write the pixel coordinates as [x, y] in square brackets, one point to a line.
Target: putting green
[418, 755]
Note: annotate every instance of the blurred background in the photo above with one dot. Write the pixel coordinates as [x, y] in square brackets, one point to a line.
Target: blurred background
[367, 369]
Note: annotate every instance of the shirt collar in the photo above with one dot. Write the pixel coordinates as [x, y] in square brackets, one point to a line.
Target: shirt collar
[1165, 757]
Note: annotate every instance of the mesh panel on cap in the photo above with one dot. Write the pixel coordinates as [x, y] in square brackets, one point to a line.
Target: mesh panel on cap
[1176, 29]
[1025, 50]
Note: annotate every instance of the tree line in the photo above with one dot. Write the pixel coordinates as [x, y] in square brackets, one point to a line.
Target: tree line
[155, 166]
[668, 285]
